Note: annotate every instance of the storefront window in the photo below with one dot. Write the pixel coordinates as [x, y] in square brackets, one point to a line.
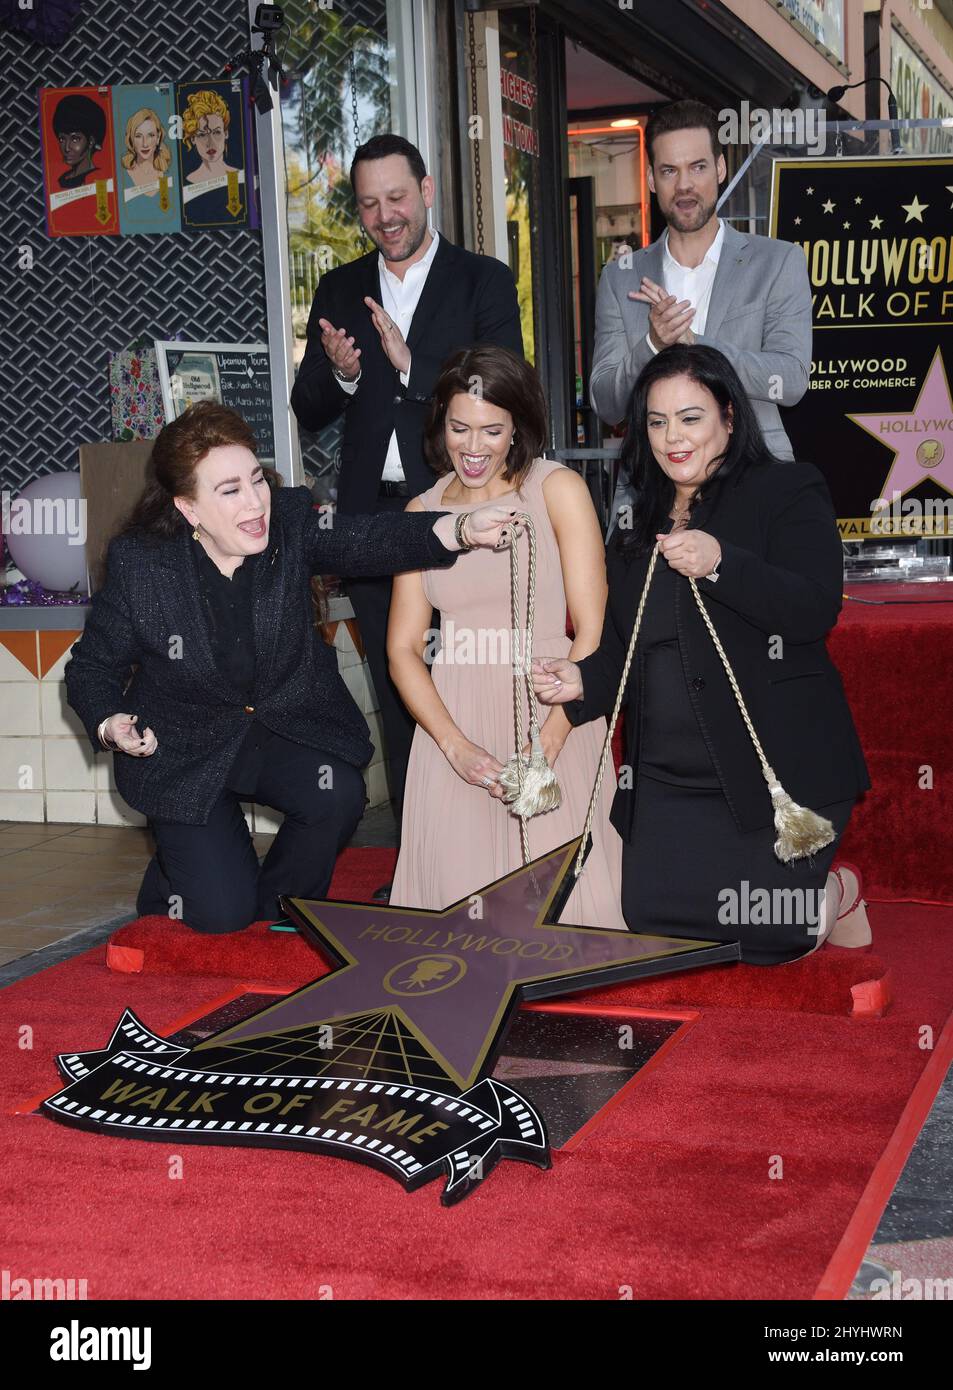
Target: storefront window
[345, 66]
[823, 20]
[519, 92]
[921, 96]
[612, 155]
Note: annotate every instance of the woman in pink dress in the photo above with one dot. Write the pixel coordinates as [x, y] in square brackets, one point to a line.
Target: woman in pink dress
[487, 430]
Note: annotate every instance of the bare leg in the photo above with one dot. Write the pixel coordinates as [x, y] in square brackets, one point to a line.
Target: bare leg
[852, 928]
[833, 897]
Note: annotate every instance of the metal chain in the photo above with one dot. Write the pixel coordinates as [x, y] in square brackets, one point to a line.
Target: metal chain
[477, 179]
[522, 658]
[352, 69]
[535, 154]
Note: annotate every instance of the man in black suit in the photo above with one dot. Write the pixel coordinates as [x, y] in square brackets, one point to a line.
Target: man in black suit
[380, 329]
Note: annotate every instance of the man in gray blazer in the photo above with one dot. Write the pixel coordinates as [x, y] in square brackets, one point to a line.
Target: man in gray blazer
[703, 282]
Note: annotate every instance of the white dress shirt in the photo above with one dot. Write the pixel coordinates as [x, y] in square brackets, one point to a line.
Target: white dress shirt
[399, 298]
[693, 283]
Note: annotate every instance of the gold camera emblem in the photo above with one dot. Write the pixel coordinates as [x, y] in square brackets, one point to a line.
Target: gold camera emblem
[424, 975]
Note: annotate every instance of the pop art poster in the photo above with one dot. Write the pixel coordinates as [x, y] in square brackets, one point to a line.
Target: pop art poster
[212, 154]
[147, 165]
[79, 162]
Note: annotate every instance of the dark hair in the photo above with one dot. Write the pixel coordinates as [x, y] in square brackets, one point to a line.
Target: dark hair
[381, 146]
[75, 112]
[179, 448]
[653, 491]
[493, 374]
[681, 115]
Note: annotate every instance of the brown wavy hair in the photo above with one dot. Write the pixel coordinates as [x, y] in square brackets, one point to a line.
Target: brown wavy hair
[179, 449]
[499, 376]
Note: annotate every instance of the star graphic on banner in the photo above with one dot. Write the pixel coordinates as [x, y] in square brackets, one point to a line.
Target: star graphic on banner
[949, 189]
[876, 222]
[924, 447]
[797, 221]
[444, 983]
[809, 191]
[828, 206]
[858, 199]
[847, 226]
[914, 210]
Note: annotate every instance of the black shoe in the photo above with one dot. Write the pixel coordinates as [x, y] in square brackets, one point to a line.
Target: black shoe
[382, 894]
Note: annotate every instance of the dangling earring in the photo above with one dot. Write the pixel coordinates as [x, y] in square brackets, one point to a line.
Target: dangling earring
[512, 441]
[195, 534]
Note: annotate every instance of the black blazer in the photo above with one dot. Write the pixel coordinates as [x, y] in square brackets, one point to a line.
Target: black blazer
[781, 577]
[149, 614]
[466, 299]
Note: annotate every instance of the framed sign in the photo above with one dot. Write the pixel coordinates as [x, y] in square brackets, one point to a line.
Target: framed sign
[235, 374]
[877, 417]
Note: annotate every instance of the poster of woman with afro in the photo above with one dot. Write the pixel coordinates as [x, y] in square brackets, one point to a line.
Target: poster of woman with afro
[79, 163]
[212, 154]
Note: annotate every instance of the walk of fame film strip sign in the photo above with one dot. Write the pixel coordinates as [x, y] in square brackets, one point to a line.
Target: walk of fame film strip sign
[386, 1060]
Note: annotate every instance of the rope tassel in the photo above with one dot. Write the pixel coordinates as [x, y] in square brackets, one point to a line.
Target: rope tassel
[801, 832]
[540, 791]
[529, 784]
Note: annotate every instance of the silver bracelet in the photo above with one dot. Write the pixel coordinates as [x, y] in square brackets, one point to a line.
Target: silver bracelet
[110, 746]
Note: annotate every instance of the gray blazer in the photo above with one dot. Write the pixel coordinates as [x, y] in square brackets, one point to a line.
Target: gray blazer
[759, 317]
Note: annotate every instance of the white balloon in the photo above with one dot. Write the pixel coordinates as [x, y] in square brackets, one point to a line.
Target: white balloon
[45, 530]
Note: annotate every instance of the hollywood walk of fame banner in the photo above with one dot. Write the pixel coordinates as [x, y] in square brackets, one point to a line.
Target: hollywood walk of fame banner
[387, 1059]
[877, 417]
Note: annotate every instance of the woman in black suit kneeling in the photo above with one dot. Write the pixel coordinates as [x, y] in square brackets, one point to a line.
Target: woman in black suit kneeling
[760, 539]
[205, 630]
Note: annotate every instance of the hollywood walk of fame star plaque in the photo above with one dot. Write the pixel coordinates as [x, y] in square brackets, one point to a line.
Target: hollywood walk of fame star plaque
[387, 1059]
[877, 415]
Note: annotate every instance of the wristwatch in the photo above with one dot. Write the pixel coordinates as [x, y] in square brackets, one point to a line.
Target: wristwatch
[714, 574]
[348, 380]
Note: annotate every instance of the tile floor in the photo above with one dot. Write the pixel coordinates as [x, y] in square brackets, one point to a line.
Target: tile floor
[59, 880]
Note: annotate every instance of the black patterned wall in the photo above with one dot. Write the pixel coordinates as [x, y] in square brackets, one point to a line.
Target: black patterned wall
[88, 296]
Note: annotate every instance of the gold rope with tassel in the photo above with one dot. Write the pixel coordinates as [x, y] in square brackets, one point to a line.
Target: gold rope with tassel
[800, 831]
[529, 785]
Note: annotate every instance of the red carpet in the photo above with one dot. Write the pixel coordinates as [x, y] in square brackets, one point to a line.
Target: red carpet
[895, 665]
[671, 1192]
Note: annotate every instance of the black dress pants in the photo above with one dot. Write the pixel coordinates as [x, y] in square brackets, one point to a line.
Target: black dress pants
[370, 599]
[209, 876]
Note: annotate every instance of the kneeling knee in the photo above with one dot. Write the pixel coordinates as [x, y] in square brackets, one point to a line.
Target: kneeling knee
[222, 915]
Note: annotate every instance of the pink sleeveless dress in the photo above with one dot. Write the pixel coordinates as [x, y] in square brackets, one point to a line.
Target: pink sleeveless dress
[456, 839]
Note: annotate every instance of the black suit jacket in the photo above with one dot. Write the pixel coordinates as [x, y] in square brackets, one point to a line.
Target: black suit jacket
[149, 614]
[466, 299]
[781, 577]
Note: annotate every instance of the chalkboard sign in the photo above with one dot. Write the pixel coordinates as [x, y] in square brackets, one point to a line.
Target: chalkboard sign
[236, 374]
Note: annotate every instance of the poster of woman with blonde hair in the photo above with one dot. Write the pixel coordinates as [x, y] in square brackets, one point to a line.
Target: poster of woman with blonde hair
[212, 154]
[146, 167]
